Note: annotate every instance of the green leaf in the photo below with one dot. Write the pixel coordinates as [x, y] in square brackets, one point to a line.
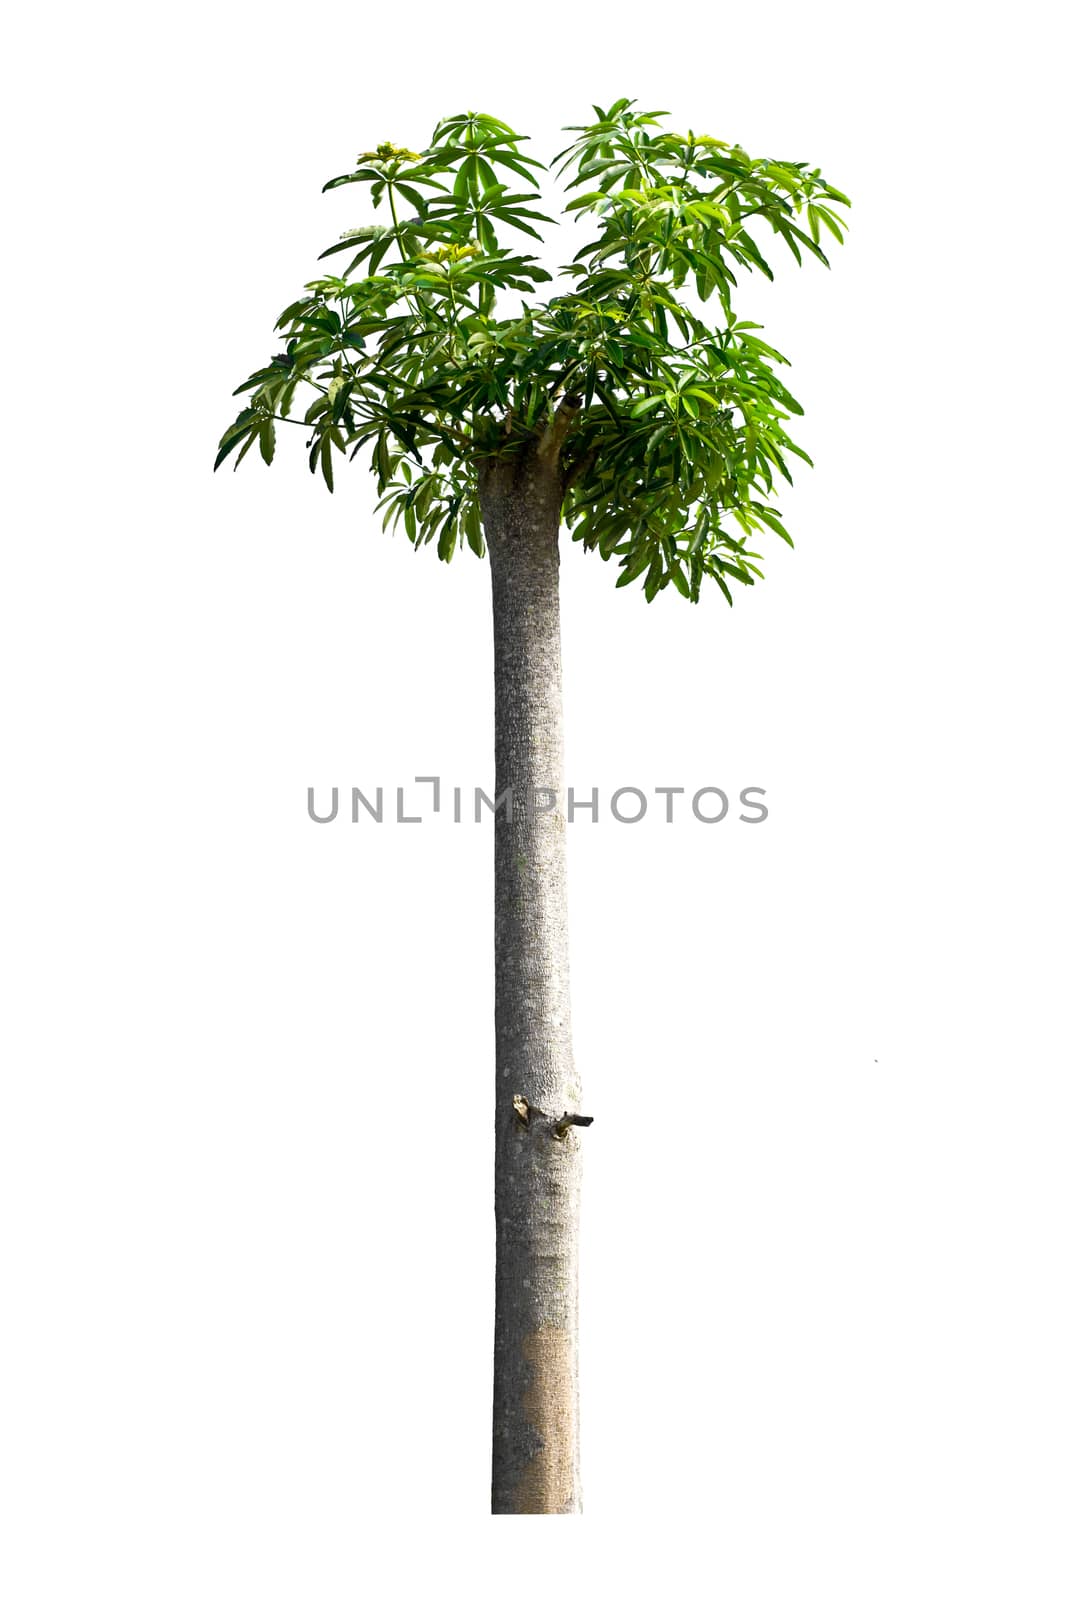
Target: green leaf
[633, 570]
[446, 544]
[250, 439]
[472, 528]
[234, 434]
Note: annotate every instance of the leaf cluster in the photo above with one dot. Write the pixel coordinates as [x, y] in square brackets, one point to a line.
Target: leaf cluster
[675, 457]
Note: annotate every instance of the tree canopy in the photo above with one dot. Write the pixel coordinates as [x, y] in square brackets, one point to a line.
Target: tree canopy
[430, 348]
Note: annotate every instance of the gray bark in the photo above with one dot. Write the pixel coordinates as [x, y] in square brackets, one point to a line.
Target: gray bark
[538, 1156]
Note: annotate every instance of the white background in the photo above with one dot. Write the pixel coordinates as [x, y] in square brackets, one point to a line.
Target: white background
[247, 1220]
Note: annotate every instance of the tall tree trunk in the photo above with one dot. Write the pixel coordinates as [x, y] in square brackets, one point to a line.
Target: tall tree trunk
[538, 1154]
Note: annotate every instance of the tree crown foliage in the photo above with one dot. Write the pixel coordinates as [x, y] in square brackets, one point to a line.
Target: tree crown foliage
[673, 459]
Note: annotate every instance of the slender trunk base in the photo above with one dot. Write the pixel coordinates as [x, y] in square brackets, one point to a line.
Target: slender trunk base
[538, 1155]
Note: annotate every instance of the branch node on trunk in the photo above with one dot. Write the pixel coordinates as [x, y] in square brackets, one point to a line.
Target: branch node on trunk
[560, 1126]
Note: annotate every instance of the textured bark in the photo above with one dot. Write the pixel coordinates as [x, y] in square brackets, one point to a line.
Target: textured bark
[538, 1161]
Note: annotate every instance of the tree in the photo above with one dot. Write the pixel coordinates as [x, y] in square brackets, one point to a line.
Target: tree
[613, 406]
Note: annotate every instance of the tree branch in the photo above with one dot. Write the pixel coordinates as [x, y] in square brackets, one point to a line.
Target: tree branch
[564, 1124]
[576, 468]
[552, 439]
